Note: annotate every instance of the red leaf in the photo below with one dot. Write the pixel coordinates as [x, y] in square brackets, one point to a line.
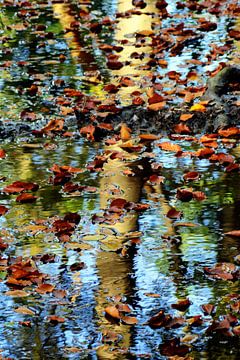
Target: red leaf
[2, 154]
[184, 195]
[222, 158]
[199, 195]
[26, 198]
[20, 186]
[3, 210]
[174, 214]
[191, 176]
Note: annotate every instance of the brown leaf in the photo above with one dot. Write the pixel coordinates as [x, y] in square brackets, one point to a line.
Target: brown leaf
[53, 319]
[45, 288]
[182, 129]
[199, 195]
[208, 309]
[182, 305]
[184, 195]
[167, 146]
[54, 125]
[24, 310]
[191, 176]
[26, 198]
[174, 214]
[129, 320]
[125, 132]
[234, 233]
[157, 106]
[3, 210]
[173, 347]
[113, 312]
[17, 293]
[20, 186]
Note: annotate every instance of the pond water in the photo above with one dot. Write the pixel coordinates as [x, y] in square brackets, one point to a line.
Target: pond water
[145, 259]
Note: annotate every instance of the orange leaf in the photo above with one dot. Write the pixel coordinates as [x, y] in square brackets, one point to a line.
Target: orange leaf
[157, 106]
[235, 233]
[113, 312]
[185, 117]
[170, 146]
[129, 320]
[53, 125]
[45, 288]
[125, 132]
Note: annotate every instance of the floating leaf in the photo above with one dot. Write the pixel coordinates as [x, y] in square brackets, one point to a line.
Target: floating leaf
[26, 198]
[167, 146]
[45, 288]
[17, 293]
[3, 210]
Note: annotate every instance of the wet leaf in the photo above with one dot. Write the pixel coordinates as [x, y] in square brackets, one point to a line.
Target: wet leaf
[129, 320]
[2, 154]
[17, 293]
[54, 125]
[45, 288]
[174, 214]
[53, 319]
[191, 176]
[167, 146]
[26, 198]
[184, 195]
[182, 305]
[208, 309]
[25, 311]
[20, 186]
[113, 312]
[174, 347]
[234, 233]
[3, 210]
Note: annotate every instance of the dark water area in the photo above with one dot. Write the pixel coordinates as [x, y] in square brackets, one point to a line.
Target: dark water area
[146, 259]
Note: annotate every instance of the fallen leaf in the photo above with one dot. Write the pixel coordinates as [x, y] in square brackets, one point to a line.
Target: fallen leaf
[198, 107]
[191, 176]
[53, 319]
[234, 233]
[26, 198]
[167, 146]
[17, 293]
[113, 312]
[45, 288]
[3, 210]
[129, 320]
[25, 311]
[182, 305]
[208, 309]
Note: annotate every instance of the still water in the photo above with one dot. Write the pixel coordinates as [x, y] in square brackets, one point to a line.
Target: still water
[146, 259]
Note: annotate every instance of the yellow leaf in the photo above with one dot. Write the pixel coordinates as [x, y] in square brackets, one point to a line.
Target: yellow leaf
[198, 107]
